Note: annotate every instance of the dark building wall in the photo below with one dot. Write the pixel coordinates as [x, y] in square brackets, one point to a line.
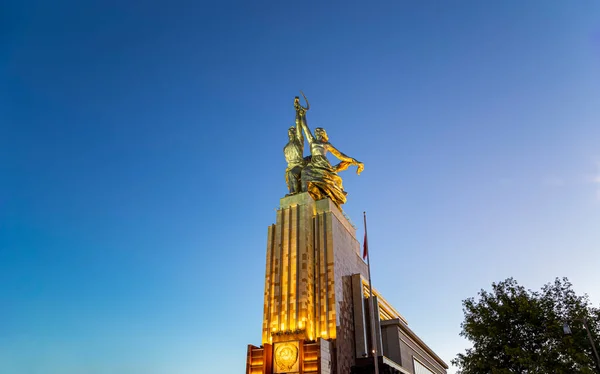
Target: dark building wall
[391, 344]
[346, 261]
[401, 345]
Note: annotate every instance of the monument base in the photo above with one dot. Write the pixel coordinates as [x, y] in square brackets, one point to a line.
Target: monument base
[312, 251]
[297, 356]
[316, 316]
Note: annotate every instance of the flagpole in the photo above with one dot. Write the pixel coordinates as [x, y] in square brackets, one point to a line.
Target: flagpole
[371, 304]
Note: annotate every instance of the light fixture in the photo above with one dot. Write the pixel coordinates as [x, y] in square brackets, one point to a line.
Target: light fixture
[567, 331]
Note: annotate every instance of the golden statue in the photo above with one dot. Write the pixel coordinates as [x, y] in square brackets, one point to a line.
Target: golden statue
[294, 149]
[318, 177]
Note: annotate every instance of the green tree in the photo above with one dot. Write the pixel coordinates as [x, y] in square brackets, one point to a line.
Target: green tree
[514, 330]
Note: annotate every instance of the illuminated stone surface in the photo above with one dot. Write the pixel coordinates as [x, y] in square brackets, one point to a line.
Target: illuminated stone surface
[315, 316]
[309, 249]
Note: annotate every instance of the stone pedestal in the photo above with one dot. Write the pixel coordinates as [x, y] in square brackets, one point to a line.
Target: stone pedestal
[312, 251]
[316, 316]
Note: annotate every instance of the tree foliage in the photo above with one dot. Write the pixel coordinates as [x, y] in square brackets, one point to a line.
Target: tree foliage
[514, 330]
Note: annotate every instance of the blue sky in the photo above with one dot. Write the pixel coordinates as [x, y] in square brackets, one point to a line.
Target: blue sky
[141, 163]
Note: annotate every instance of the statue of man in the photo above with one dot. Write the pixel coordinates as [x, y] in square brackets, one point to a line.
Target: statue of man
[294, 150]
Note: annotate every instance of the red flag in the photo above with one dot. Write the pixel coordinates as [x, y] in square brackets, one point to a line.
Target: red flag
[365, 242]
[365, 248]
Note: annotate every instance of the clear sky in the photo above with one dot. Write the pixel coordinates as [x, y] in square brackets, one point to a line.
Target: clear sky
[141, 164]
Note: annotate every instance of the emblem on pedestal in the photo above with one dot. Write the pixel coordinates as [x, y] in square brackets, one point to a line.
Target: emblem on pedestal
[286, 357]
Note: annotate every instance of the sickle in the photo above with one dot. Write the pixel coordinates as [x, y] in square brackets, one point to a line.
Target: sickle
[305, 99]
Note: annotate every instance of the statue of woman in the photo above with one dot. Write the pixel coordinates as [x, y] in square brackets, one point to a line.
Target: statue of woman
[319, 178]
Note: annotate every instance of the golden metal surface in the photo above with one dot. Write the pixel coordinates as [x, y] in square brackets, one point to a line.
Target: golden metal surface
[318, 177]
[294, 149]
[286, 357]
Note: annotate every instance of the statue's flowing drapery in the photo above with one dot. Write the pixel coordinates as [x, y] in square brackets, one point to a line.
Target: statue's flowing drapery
[319, 177]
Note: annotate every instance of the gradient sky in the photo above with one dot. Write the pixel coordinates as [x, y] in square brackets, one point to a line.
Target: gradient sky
[141, 163]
